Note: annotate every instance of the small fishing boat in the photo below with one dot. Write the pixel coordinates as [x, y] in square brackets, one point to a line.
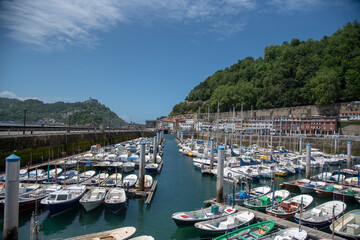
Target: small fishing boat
[151, 167]
[288, 208]
[253, 193]
[93, 199]
[114, 234]
[128, 167]
[253, 231]
[322, 215]
[115, 199]
[347, 194]
[96, 180]
[287, 234]
[129, 181]
[311, 186]
[143, 237]
[112, 180]
[294, 185]
[64, 199]
[328, 190]
[267, 200]
[100, 166]
[222, 225]
[148, 182]
[186, 219]
[348, 225]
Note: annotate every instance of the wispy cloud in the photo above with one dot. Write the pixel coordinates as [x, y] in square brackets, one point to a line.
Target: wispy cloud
[54, 24]
[8, 94]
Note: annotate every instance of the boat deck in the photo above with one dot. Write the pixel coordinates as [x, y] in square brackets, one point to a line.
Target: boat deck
[312, 233]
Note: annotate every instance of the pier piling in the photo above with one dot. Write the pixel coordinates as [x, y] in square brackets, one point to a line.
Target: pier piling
[300, 145]
[349, 155]
[212, 153]
[142, 166]
[308, 157]
[335, 145]
[11, 211]
[155, 149]
[220, 175]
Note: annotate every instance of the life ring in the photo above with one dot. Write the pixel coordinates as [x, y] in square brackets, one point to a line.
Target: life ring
[229, 175]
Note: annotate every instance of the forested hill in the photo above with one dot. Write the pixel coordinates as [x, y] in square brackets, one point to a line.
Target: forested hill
[37, 112]
[297, 73]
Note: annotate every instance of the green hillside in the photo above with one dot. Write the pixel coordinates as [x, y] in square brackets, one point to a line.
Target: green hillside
[37, 112]
[294, 74]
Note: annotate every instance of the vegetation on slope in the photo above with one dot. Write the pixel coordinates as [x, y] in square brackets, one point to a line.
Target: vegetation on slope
[294, 74]
[79, 113]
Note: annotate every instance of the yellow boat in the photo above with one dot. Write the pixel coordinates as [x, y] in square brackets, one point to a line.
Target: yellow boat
[190, 154]
[281, 173]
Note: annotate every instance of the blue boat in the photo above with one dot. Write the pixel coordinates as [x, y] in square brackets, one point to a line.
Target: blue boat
[64, 199]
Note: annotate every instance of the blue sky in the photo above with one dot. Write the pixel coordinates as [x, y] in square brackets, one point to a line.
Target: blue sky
[142, 57]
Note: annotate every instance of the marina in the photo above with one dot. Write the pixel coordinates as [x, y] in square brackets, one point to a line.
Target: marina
[172, 191]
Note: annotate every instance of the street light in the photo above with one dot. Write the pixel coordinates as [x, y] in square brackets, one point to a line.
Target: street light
[24, 120]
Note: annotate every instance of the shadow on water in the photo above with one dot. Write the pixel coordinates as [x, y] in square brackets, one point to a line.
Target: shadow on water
[92, 217]
[115, 219]
[185, 233]
[59, 222]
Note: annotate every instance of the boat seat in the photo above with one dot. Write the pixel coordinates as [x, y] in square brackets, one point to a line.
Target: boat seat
[353, 229]
[211, 226]
[228, 223]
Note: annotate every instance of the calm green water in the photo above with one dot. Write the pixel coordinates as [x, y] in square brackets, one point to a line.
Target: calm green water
[181, 187]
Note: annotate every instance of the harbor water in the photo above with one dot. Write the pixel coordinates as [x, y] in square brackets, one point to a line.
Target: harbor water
[181, 187]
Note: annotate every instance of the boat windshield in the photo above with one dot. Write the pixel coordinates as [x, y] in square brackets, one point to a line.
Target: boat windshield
[61, 197]
[52, 197]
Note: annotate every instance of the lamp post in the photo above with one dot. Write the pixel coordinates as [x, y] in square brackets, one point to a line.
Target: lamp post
[24, 120]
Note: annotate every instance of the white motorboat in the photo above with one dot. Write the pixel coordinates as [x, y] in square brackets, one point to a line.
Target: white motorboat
[115, 199]
[93, 198]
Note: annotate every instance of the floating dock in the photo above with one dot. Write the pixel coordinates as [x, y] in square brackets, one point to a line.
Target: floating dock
[312, 233]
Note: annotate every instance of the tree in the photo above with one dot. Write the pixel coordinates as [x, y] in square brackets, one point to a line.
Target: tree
[325, 87]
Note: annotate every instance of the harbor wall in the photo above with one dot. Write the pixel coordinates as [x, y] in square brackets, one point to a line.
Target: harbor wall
[37, 149]
[326, 145]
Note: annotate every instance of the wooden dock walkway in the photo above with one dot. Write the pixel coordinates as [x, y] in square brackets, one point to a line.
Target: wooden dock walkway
[312, 233]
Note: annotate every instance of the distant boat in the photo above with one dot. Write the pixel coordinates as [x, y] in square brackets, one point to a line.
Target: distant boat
[129, 181]
[62, 200]
[148, 182]
[287, 234]
[328, 190]
[115, 199]
[128, 167]
[253, 193]
[96, 180]
[253, 231]
[348, 225]
[186, 219]
[322, 215]
[112, 180]
[288, 208]
[294, 185]
[347, 194]
[93, 199]
[222, 225]
[266, 201]
[151, 168]
[311, 186]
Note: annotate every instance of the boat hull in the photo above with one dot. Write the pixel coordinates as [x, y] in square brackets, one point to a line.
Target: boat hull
[288, 216]
[88, 206]
[56, 208]
[115, 207]
[321, 193]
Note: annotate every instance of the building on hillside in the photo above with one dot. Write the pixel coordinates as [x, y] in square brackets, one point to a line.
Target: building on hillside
[349, 115]
[150, 123]
[165, 124]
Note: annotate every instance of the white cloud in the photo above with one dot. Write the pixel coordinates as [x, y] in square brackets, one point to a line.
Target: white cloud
[58, 23]
[289, 6]
[8, 94]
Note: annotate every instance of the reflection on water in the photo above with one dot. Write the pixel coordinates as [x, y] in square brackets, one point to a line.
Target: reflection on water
[61, 221]
[90, 218]
[115, 219]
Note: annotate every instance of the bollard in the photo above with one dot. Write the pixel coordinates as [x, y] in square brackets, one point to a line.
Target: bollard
[300, 145]
[220, 175]
[349, 155]
[142, 166]
[308, 157]
[11, 208]
[212, 153]
[155, 150]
